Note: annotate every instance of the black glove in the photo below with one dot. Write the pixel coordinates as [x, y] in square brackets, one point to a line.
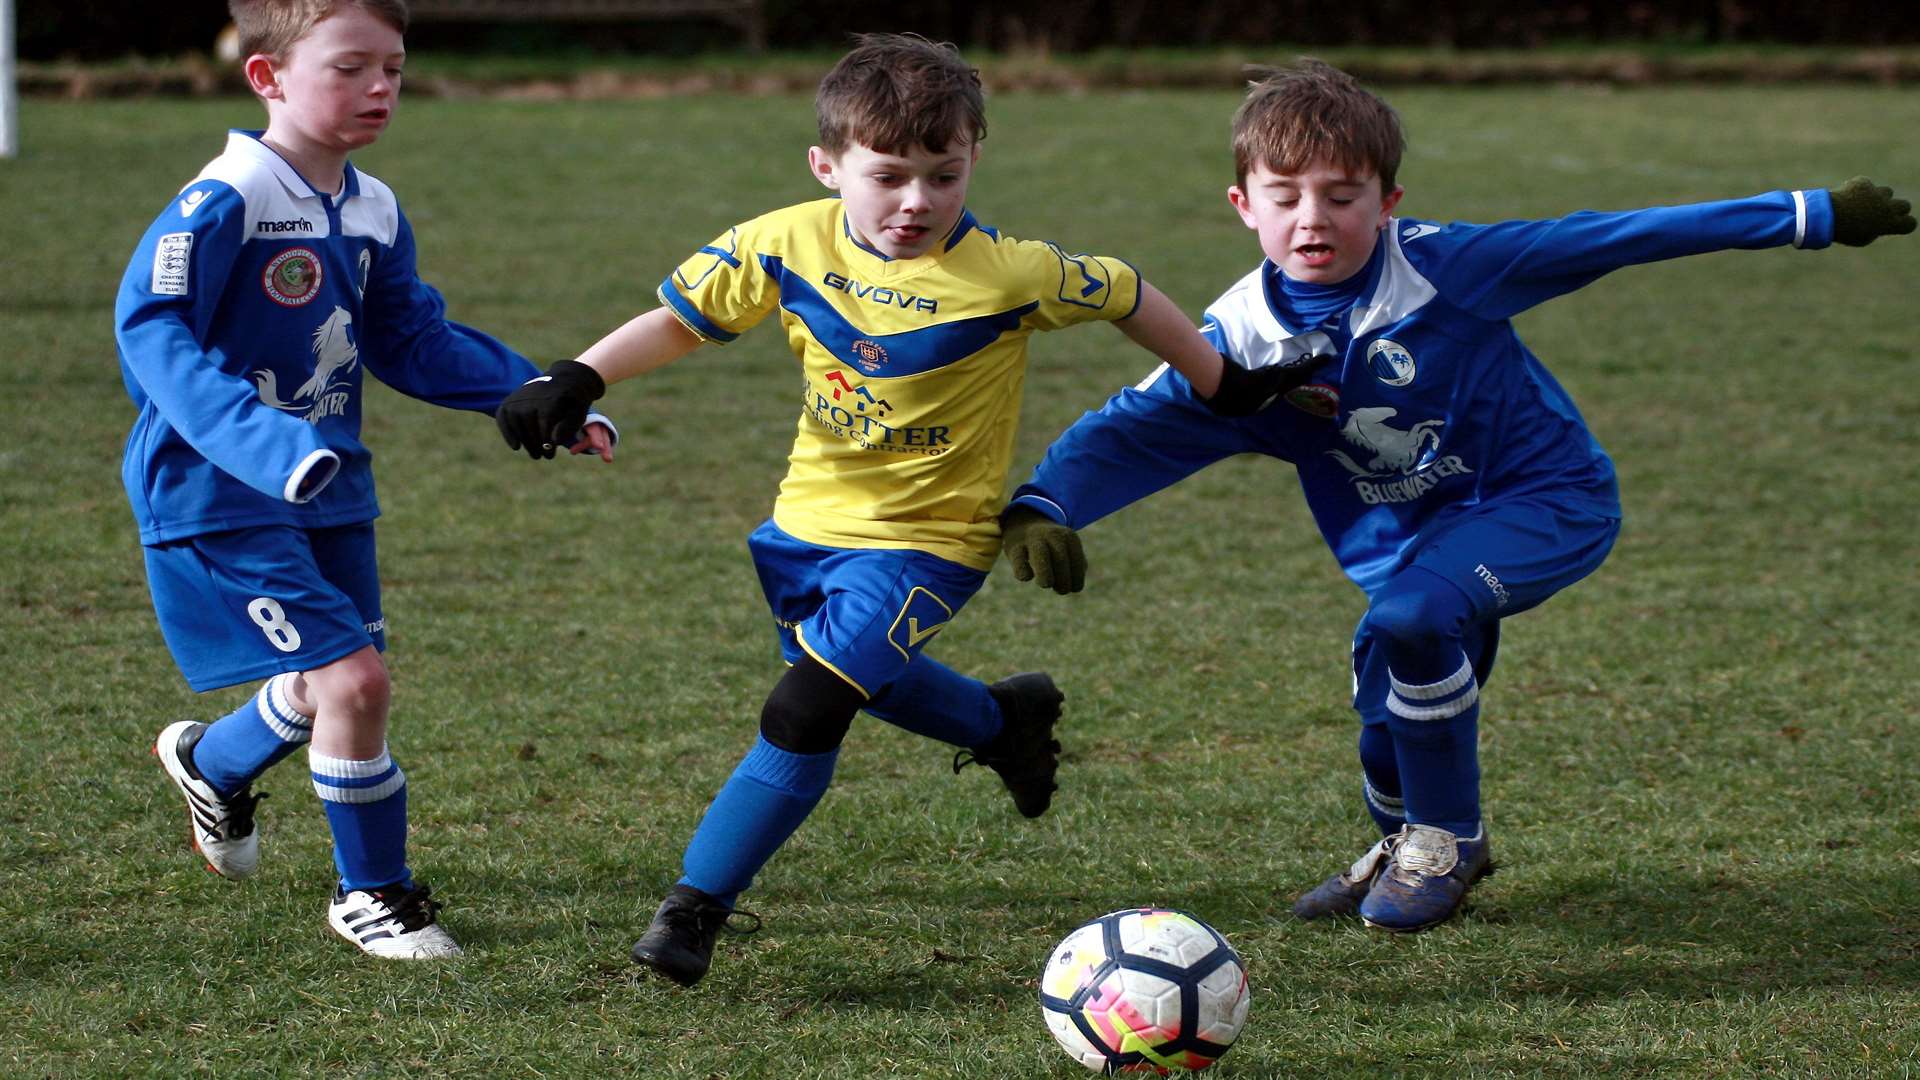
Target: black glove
[1862, 213]
[1042, 550]
[1243, 392]
[549, 411]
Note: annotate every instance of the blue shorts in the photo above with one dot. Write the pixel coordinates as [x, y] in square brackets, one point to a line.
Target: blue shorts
[863, 612]
[1505, 557]
[251, 603]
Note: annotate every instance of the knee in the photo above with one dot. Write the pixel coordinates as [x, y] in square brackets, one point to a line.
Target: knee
[356, 687]
[1418, 607]
[809, 710]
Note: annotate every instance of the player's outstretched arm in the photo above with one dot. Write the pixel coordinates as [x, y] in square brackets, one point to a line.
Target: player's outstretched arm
[550, 410]
[1863, 213]
[1224, 387]
[1042, 550]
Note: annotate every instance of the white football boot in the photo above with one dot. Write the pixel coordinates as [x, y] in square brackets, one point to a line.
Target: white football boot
[222, 826]
[391, 922]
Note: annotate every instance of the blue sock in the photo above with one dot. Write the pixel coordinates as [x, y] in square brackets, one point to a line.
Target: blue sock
[1380, 786]
[366, 804]
[934, 700]
[1435, 725]
[238, 747]
[769, 794]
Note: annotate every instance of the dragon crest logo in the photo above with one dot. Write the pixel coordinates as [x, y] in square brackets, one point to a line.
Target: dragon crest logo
[327, 392]
[1407, 459]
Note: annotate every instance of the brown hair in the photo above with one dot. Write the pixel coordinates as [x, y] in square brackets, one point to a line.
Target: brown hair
[1313, 111]
[273, 26]
[895, 91]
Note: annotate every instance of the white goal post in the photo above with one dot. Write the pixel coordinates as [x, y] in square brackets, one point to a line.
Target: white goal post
[9, 86]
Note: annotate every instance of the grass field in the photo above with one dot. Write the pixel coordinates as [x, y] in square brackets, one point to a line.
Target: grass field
[1701, 765]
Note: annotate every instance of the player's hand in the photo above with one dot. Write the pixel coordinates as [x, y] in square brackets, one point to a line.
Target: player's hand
[549, 410]
[1862, 213]
[1243, 393]
[594, 439]
[1043, 551]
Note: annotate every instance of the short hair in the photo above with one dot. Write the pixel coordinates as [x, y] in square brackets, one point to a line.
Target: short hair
[1312, 112]
[895, 91]
[273, 26]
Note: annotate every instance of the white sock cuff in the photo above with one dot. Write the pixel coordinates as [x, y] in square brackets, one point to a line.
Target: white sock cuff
[277, 711]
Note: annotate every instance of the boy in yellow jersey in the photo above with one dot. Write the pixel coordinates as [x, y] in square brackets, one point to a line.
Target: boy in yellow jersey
[910, 320]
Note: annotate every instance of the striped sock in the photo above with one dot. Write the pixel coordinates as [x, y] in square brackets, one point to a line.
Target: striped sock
[1436, 734]
[366, 803]
[246, 742]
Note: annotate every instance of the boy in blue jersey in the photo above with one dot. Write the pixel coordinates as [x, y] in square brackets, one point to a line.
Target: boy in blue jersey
[1450, 474]
[246, 316]
[910, 320]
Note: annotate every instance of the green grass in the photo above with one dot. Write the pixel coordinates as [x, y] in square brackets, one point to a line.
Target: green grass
[1700, 764]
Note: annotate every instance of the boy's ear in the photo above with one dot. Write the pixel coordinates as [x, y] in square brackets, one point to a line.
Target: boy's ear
[1387, 204]
[1242, 205]
[822, 165]
[263, 75]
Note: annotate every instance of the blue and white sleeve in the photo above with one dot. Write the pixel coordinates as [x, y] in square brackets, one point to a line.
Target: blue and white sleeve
[1497, 271]
[410, 345]
[1145, 438]
[163, 318]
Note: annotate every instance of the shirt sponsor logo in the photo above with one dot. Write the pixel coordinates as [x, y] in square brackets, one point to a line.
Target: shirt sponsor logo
[292, 277]
[879, 294]
[299, 225]
[1390, 362]
[328, 392]
[848, 410]
[1405, 463]
[172, 258]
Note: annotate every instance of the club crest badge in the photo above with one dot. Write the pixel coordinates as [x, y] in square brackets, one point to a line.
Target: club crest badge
[292, 277]
[870, 355]
[1389, 362]
[1315, 399]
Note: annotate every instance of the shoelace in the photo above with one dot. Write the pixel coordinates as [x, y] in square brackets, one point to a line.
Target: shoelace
[697, 917]
[964, 758]
[1425, 851]
[412, 909]
[240, 814]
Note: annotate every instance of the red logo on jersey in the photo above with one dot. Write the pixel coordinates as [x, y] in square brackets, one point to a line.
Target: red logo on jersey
[1319, 399]
[292, 277]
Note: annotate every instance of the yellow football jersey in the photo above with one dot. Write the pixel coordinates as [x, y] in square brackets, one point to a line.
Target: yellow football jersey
[912, 368]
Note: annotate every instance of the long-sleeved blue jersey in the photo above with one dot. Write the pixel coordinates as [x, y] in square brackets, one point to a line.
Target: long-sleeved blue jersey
[244, 320]
[1423, 402]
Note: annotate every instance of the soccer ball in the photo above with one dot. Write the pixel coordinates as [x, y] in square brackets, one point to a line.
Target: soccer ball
[1144, 990]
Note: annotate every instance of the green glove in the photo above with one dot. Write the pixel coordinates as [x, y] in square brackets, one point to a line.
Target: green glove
[1863, 213]
[1043, 550]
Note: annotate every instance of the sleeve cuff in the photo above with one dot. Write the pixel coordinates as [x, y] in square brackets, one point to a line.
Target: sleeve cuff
[315, 473]
[1042, 504]
[600, 418]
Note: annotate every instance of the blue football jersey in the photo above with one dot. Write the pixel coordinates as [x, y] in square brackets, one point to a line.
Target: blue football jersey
[244, 321]
[1422, 403]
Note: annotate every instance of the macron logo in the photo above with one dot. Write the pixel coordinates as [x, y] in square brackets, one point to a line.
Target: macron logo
[191, 203]
[1415, 232]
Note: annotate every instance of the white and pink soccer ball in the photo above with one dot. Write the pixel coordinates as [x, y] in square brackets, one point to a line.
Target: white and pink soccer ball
[1144, 990]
